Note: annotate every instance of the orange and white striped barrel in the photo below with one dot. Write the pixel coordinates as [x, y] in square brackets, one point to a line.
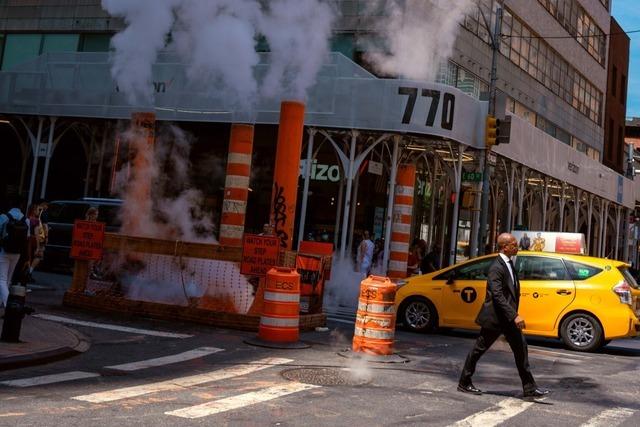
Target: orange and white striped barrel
[280, 318]
[236, 187]
[376, 317]
[401, 222]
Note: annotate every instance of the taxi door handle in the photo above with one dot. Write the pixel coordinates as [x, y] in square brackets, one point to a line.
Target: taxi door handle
[563, 292]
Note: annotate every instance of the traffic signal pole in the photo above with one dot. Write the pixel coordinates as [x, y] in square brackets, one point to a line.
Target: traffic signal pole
[487, 169]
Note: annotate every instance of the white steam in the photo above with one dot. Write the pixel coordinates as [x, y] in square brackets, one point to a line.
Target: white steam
[419, 35]
[137, 46]
[298, 33]
[158, 200]
[216, 40]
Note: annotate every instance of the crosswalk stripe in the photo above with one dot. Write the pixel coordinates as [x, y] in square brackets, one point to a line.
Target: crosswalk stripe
[50, 379]
[110, 327]
[183, 382]
[495, 415]
[609, 418]
[166, 360]
[239, 401]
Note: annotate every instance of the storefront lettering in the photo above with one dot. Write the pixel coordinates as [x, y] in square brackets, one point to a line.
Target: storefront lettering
[448, 106]
[320, 172]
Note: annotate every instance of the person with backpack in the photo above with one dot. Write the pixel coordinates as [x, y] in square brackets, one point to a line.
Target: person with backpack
[14, 235]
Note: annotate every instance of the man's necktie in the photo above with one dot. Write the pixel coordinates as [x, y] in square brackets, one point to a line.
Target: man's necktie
[515, 278]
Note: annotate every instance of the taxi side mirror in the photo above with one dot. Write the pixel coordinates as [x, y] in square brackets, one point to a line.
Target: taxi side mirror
[451, 278]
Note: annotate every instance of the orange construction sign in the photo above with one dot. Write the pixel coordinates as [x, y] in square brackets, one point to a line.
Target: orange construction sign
[259, 254]
[87, 240]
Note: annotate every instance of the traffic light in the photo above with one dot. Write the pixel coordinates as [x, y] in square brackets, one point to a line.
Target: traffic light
[491, 131]
[497, 131]
[504, 130]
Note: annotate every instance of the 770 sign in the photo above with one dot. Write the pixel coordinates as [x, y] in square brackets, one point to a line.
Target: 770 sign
[448, 106]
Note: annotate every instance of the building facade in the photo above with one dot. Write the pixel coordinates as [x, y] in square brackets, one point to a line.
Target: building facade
[558, 173]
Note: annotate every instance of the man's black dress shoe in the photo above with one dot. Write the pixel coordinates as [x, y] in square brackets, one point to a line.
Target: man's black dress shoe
[538, 392]
[469, 388]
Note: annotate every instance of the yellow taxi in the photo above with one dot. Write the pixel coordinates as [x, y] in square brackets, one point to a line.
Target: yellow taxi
[583, 300]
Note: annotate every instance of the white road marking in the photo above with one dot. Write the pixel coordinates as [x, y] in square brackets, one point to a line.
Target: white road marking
[554, 359]
[166, 360]
[495, 415]
[558, 353]
[240, 401]
[610, 418]
[50, 379]
[110, 327]
[183, 382]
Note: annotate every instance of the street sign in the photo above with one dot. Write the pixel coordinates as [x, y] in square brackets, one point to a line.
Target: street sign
[259, 254]
[492, 158]
[87, 240]
[472, 176]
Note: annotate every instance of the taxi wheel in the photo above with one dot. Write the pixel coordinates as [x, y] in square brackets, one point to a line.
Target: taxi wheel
[582, 332]
[418, 314]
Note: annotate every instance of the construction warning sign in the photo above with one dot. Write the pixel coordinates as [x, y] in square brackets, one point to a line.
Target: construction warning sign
[87, 240]
[259, 254]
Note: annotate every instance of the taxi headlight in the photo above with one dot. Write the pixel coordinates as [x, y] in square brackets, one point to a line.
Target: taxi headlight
[400, 283]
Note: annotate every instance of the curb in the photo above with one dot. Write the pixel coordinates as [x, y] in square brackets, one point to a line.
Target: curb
[46, 356]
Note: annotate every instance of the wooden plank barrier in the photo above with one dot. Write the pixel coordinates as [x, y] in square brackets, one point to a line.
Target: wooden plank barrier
[77, 297]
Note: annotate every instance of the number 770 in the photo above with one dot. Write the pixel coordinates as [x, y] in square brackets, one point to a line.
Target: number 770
[448, 106]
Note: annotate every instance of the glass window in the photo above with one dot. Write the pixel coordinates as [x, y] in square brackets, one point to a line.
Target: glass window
[95, 43]
[20, 48]
[628, 277]
[66, 213]
[580, 271]
[540, 268]
[478, 270]
[474, 270]
[60, 43]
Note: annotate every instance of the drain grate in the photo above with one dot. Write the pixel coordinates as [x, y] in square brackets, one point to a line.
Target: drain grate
[327, 376]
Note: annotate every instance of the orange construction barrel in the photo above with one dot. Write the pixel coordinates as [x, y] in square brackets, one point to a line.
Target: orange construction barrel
[376, 317]
[280, 317]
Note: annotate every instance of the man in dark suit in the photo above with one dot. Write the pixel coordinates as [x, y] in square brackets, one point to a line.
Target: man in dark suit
[499, 316]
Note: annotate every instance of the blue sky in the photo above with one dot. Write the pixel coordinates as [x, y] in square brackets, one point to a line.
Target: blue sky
[627, 13]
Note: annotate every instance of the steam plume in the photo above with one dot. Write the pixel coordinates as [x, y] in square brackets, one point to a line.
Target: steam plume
[216, 40]
[420, 35]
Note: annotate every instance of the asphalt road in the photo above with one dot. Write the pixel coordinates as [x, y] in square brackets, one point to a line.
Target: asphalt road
[207, 376]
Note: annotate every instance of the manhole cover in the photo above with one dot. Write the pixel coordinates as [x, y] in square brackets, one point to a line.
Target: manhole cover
[327, 376]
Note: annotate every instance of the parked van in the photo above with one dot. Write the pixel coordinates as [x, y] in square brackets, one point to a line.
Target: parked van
[60, 217]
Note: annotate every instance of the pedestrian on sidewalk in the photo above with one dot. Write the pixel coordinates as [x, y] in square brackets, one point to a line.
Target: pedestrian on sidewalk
[499, 316]
[14, 235]
[365, 254]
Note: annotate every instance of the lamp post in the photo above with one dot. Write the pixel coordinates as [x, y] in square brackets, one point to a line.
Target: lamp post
[487, 169]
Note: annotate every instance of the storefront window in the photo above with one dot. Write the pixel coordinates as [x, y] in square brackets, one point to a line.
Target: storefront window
[20, 48]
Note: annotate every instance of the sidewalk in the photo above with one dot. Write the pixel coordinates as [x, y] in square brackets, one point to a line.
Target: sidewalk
[41, 341]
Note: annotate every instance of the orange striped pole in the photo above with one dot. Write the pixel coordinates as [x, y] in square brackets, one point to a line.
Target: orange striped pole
[138, 205]
[236, 187]
[285, 175]
[401, 224]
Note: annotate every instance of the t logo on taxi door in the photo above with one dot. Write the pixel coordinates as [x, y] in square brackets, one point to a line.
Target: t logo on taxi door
[468, 295]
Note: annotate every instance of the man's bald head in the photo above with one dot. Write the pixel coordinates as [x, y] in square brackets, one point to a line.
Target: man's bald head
[504, 240]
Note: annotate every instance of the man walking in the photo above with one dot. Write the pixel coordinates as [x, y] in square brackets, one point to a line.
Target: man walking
[499, 316]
